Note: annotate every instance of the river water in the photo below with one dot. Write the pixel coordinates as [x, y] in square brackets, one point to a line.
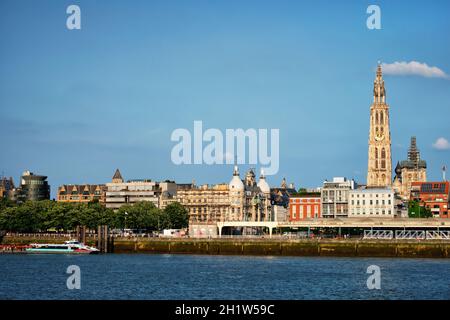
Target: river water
[152, 276]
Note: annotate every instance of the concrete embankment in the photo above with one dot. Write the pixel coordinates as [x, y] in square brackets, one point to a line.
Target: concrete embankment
[276, 247]
[342, 248]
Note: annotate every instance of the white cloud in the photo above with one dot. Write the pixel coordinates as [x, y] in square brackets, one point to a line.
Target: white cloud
[413, 68]
[441, 144]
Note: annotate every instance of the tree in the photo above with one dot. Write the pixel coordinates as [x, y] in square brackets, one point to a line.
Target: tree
[58, 217]
[175, 216]
[415, 210]
[5, 203]
[101, 215]
[23, 218]
[35, 216]
[302, 190]
[141, 215]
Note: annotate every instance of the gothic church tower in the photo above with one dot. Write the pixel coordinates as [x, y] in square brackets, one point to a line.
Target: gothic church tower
[379, 171]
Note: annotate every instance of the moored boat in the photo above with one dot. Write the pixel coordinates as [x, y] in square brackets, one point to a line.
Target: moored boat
[71, 246]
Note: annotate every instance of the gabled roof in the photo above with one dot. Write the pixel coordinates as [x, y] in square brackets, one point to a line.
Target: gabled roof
[80, 188]
[117, 175]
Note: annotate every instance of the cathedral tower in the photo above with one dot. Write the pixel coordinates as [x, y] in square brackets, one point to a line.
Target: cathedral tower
[379, 171]
[408, 171]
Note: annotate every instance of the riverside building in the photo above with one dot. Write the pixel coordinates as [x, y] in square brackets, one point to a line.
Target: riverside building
[279, 198]
[119, 192]
[433, 195]
[32, 188]
[205, 203]
[304, 206]
[240, 200]
[82, 193]
[371, 202]
[334, 197]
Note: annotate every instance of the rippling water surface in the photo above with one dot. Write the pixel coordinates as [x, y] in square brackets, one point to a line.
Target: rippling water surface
[136, 276]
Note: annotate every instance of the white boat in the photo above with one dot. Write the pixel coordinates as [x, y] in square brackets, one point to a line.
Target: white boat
[71, 246]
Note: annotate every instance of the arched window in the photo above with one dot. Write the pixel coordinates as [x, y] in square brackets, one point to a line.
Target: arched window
[376, 117]
[376, 153]
[383, 164]
[381, 118]
[376, 164]
[383, 153]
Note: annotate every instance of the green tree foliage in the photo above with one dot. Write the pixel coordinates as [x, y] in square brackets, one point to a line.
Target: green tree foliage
[417, 211]
[39, 216]
[35, 216]
[5, 203]
[175, 216]
[141, 215]
[302, 190]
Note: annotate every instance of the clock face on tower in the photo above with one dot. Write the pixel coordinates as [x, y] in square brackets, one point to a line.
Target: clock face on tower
[379, 136]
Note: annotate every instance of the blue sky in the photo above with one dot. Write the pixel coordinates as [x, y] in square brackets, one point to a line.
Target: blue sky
[77, 104]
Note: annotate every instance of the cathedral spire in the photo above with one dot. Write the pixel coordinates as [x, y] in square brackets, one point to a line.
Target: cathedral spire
[413, 152]
[379, 171]
[379, 72]
[379, 93]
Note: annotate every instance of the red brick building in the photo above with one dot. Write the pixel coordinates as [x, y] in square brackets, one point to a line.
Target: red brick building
[304, 206]
[433, 195]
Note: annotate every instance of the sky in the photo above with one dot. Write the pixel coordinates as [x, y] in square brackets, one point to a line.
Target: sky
[77, 104]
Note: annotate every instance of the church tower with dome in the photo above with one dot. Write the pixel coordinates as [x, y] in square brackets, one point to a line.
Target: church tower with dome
[249, 199]
[237, 193]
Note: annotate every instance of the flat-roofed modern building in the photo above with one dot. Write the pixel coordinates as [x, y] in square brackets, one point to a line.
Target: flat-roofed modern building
[371, 202]
[334, 197]
[119, 192]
